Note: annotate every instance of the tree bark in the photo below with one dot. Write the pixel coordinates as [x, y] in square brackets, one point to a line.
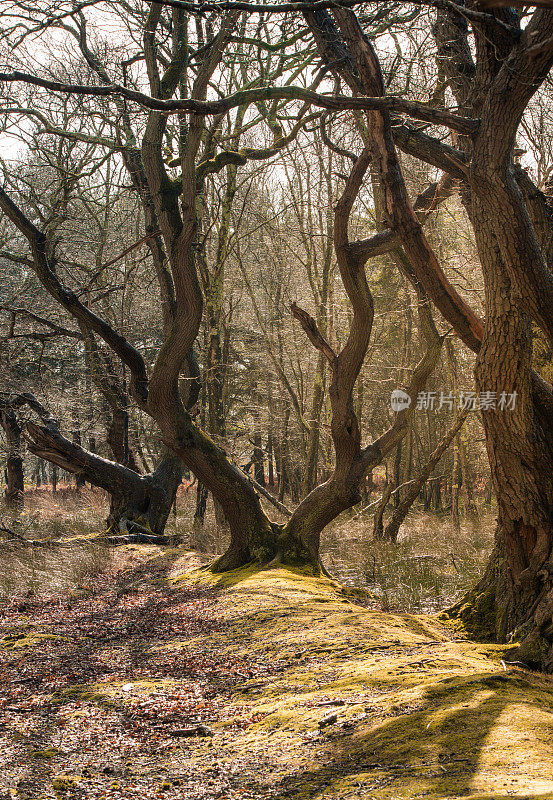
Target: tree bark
[201, 504]
[142, 501]
[15, 483]
[378, 527]
[258, 458]
[178, 210]
[514, 599]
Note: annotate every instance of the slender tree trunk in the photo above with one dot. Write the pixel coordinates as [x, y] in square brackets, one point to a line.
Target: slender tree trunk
[282, 460]
[467, 476]
[455, 489]
[488, 493]
[392, 529]
[15, 483]
[201, 504]
[258, 458]
[313, 440]
[397, 475]
[77, 439]
[378, 527]
[456, 472]
[270, 466]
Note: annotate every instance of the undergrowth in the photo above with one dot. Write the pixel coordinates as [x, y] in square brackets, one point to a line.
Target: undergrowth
[429, 567]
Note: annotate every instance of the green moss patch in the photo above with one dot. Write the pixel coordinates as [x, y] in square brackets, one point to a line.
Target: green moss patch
[46, 754]
[63, 783]
[420, 710]
[316, 698]
[90, 693]
[20, 639]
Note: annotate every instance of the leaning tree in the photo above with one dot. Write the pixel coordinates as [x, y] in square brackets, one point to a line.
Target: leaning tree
[138, 500]
[178, 206]
[494, 61]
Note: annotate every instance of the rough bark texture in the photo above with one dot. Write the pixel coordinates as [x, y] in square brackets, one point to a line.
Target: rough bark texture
[139, 501]
[176, 209]
[514, 599]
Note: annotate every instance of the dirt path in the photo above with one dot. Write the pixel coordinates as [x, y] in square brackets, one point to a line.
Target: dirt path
[157, 682]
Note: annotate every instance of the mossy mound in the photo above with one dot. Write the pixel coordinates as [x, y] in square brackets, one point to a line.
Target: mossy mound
[63, 783]
[420, 710]
[312, 697]
[19, 639]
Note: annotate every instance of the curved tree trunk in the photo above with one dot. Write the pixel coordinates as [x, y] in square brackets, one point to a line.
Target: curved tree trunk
[142, 502]
[514, 599]
[138, 502]
[178, 208]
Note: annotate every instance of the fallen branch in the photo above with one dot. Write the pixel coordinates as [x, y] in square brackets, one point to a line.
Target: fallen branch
[135, 538]
[30, 542]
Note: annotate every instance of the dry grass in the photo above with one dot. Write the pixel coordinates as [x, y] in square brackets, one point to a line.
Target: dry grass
[53, 570]
[430, 566]
[49, 571]
[65, 500]
[210, 537]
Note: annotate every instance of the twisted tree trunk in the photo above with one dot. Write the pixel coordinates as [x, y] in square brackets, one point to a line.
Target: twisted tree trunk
[139, 502]
[514, 599]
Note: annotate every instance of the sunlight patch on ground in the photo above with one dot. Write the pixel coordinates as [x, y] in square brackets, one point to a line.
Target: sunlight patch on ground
[307, 695]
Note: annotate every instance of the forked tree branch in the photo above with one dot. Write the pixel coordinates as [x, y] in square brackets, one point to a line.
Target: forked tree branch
[426, 203]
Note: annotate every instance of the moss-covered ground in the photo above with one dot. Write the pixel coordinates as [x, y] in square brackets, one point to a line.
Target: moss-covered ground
[308, 694]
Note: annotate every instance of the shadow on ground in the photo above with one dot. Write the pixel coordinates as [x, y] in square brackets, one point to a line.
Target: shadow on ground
[100, 694]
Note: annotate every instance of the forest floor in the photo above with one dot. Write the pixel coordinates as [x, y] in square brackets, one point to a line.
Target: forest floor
[160, 680]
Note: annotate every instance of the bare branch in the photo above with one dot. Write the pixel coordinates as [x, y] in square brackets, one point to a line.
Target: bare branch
[422, 111]
[56, 329]
[268, 496]
[45, 272]
[313, 334]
